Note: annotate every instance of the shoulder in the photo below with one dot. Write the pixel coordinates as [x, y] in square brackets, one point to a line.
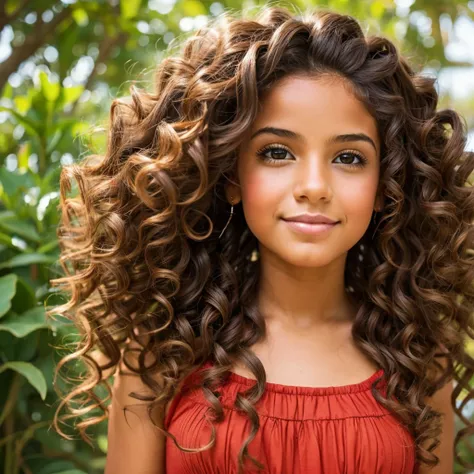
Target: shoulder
[442, 402]
[439, 398]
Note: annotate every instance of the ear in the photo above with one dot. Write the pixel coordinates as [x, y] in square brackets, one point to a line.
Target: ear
[379, 202]
[232, 190]
[378, 205]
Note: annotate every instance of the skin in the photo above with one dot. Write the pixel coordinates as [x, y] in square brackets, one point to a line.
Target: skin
[310, 177]
[302, 297]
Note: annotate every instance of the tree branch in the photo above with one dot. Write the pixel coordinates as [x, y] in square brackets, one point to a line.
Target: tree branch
[105, 49]
[31, 44]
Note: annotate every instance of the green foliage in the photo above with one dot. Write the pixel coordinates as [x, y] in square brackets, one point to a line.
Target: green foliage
[29, 342]
[47, 121]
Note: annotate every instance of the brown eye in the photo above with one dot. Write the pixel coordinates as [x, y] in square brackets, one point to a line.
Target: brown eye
[278, 153]
[349, 156]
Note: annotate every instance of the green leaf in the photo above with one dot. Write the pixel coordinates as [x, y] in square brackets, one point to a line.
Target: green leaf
[22, 103]
[30, 372]
[65, 41]
[62, 129]
[129, 8]
[48, 246]
[24, 152]
[377, 9]
[102, 443]
[38, 111]
[12, 224]
[7, 292]
[193, 8]
[7, 91]
[28, 259]
[8, 351]
[5, 143]
[12, 181]
[7, 240]
[50, 90]
[26, 349]
[49, 179]
[24, 298]
[30, 125]
[46, 363]
[22, 324]
[80, 17]
[71, 94]
[53, 141]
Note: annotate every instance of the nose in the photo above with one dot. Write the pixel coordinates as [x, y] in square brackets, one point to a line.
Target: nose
[313, 180]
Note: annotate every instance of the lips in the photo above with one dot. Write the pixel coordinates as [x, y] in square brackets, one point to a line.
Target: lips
[311, 219]
[310, 229]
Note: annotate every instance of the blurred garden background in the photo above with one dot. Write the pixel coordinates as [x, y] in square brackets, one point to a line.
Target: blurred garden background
[61, 65]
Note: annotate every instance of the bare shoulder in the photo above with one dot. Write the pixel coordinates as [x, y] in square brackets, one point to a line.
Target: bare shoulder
[136, 441]
[441, 401]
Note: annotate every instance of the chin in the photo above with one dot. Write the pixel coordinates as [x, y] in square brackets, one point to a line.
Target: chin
[308, 259]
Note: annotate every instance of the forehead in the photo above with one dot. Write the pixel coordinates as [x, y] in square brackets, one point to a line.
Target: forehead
[325, 104]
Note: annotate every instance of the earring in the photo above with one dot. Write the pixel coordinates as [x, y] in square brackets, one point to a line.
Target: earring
[254, 255]
[230, 217]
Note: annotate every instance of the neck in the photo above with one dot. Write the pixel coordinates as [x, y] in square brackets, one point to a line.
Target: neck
[304, 298]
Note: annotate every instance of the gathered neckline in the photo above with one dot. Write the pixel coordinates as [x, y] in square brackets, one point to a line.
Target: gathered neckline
[305, 390]
[233, 377]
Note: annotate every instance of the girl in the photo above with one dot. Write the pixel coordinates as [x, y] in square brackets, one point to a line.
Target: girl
[274, 258]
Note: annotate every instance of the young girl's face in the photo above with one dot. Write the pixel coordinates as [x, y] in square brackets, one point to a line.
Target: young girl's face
[307, 166]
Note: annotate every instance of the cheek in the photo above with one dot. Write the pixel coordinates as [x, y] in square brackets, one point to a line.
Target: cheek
[261, 195]
[358, 198]
[256, 193]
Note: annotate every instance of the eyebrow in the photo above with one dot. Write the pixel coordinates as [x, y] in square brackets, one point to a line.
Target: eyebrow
[284, 133]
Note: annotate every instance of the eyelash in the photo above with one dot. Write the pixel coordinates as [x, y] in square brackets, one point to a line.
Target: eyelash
[262, 151]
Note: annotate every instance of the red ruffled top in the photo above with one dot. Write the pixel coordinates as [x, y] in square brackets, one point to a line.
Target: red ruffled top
[303, 430]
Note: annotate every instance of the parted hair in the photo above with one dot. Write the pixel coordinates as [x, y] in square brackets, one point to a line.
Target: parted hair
[139, 240]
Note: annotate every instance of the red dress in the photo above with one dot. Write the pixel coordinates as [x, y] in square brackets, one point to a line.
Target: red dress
[303, 430]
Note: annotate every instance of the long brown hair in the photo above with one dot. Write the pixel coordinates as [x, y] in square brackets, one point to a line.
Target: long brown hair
[140, 246]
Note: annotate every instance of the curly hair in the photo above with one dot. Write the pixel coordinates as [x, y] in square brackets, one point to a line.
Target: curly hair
[140, 247]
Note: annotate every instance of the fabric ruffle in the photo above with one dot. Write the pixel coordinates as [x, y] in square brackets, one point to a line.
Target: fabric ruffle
[332, 430]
